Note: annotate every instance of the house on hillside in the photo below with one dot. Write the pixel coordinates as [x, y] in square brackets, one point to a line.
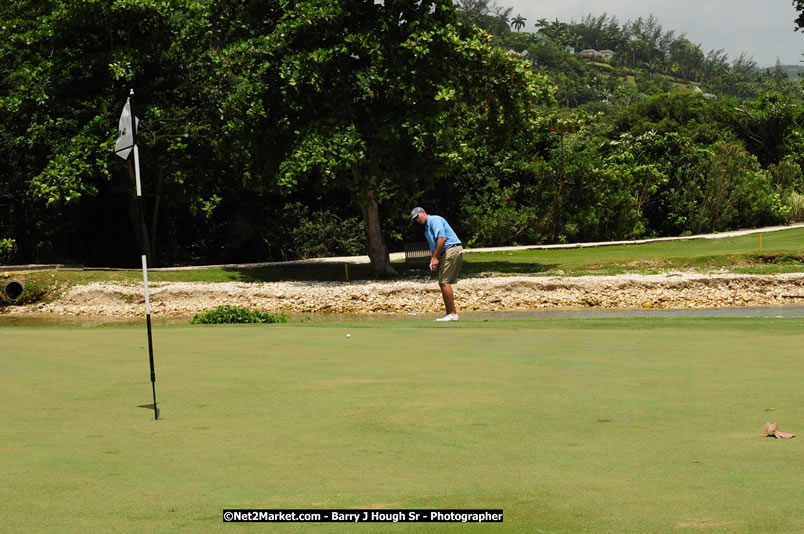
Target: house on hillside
[708, 96]
[522, 54]
[602, 54]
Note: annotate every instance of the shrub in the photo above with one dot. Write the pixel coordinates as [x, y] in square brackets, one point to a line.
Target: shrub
[787, 175]
[236, 315]
[795, 201]
[495, 225]
[324, 233]
[718, 188]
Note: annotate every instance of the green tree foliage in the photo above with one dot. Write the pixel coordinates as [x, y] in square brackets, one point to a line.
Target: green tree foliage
[7, 249]
[687, 58]
[645, 40]
[766, 125]
[721, 187]
[799, 5]
[683, 187]
[488, 15]
[600, 33]
[518, 22]
[365, 97]
[277, 130]
[324, 233]
[67, 67]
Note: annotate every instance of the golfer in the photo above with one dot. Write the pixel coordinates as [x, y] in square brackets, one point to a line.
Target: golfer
[447, 255]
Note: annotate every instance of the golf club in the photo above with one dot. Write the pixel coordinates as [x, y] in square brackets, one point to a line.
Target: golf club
[422, 293]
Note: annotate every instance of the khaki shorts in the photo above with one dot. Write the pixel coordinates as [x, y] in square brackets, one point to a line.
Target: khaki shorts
[450, 265]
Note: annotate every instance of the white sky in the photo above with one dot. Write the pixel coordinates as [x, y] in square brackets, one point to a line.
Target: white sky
[763, 29]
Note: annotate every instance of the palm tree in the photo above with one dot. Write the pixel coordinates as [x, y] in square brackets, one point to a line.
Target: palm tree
[519, 22]
[652, 67]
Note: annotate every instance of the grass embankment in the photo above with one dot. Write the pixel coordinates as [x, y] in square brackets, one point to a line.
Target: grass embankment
[781, 252]
[631, 425]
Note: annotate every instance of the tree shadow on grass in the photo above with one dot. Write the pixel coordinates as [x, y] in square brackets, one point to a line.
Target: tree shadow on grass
[504, 267]
[312, 272]
[338, 272]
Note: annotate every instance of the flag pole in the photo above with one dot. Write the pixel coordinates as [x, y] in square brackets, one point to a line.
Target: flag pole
[145, 249]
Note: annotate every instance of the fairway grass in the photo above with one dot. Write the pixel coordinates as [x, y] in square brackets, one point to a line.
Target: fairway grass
[617, 425]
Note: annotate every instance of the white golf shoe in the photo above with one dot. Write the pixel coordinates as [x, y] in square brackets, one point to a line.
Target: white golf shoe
[450, 317]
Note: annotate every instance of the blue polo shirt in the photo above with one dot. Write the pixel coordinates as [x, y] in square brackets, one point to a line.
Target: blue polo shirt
[436, 227]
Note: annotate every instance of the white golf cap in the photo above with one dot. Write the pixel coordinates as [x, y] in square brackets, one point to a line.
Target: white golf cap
[415, 212]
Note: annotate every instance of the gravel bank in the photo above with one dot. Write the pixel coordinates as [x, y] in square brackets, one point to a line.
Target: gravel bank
[670, 290]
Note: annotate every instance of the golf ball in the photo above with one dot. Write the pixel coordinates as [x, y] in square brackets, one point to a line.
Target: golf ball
[348, 335]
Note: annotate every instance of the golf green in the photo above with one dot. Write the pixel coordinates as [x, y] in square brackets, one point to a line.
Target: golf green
[619, 425]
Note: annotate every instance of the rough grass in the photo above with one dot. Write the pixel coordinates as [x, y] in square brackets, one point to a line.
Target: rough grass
[638, 425]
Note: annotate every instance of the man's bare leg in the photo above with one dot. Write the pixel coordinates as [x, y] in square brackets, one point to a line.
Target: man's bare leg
[449, 298]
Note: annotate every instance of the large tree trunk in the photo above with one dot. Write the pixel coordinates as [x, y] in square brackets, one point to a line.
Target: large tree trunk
[377, 251]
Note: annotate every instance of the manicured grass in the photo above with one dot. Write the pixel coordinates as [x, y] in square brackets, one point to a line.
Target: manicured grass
[619, 425]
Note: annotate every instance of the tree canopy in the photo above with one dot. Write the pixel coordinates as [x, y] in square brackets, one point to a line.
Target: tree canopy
[277, 130]
[366, 97]
[799, 5]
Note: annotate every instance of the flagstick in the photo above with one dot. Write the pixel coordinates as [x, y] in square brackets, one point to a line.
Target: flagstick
[150, 340]
[145, 247]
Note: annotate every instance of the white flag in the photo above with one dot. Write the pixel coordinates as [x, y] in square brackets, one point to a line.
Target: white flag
[125, 142]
